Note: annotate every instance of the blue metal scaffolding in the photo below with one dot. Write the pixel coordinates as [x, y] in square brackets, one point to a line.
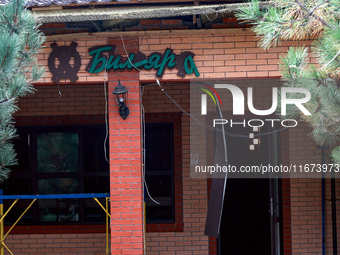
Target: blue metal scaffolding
[16, 198]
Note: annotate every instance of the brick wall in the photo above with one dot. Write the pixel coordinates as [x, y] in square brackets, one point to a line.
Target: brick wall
[57, 244]
[176, 119]
[235, 55]
[230, 53]
[77, 104]
[227, 54]
[82, 49]
[126, 186]
[72, 100]
[192, 239]
[306, 200]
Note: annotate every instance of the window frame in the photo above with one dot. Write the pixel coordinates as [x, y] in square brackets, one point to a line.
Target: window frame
[170, 174]
[38, 126]
[178, 224]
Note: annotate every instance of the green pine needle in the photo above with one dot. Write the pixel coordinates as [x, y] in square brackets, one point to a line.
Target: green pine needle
[20, 42]
[299, 20]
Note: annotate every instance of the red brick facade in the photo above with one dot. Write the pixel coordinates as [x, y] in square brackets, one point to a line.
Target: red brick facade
[126, 186]
[226, 54]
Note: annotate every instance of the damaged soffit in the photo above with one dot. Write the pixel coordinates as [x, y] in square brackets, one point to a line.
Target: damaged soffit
[68, 2]
[79, 15]
[61, 2]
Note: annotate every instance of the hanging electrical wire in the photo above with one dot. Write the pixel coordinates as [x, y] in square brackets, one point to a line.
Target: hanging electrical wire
[144, 150]
[58, 89]
[106, 115]
[143, 126]
[187, 113]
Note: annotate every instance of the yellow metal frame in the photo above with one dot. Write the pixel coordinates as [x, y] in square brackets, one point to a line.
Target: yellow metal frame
[107, 220]
[2, 215]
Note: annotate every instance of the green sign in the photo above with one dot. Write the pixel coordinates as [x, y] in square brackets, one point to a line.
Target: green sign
[183, 62]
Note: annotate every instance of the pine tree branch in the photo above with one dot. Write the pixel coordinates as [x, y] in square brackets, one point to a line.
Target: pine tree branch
[325, 65]
[316, 7]
[8, 23]
[23, 54]
[5, 57]
[18, 58]
[4, 140]
[6, 100]
[312, 14]
[16, 13]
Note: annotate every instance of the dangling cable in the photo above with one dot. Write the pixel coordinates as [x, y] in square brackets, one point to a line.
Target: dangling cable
[144, 152]
[223, 132]
[106, 114]
[143, 123]
[58, 89]
[191, 116]
[202, 124]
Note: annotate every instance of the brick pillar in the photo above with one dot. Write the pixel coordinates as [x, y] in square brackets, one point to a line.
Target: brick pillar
[125, 163]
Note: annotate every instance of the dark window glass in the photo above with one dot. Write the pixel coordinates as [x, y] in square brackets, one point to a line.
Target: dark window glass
[96, 184]
[159, 172]
[160, 185]
[59, 160]
[21, 144]
[59, 210]
[71, 159]
[57, 152]
[155, 214]
[92, 210]
[159, 146]
[93, 213]
[15, 186]
[94, 156]
[58, 185]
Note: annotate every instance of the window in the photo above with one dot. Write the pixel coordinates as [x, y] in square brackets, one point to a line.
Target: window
[59, 160]
[159, 171]
[163, 143]
[70, 159]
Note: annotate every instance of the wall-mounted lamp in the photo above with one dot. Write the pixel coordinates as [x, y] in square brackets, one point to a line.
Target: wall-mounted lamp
[121, 94]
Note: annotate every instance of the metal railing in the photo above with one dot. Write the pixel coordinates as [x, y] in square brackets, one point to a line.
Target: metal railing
[16, 198]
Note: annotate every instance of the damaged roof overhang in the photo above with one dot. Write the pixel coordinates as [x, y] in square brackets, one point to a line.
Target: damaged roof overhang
[78, 15]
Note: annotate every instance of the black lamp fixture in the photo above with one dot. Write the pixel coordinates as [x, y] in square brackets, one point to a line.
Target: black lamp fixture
[121, 94]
